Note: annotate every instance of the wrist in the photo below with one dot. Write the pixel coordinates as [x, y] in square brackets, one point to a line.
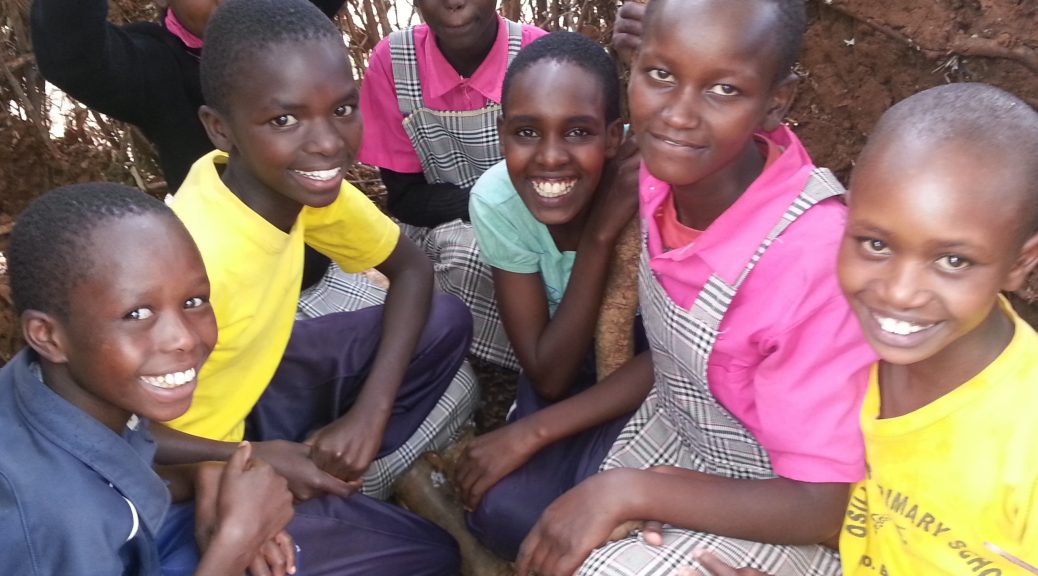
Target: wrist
[534, 435]
[224, 555]
[623, 487]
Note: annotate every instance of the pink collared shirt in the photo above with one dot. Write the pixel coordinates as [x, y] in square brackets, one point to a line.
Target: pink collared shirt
[386, 144]
[790, 361]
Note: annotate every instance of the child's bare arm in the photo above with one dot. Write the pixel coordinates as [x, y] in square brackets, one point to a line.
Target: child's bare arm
[552, 350]
[492, 456]
[779, 511]
[252, 506]
[290, 459]
[346, 447]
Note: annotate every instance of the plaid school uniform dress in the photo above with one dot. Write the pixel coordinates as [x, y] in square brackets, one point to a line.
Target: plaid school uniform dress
[682, 424]
[455, 147]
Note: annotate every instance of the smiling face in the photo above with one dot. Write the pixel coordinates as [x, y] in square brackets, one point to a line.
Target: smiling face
[292, 128]
[139, 325]
[461, 26]
[556, 140]
[703, 82]
[933, 234]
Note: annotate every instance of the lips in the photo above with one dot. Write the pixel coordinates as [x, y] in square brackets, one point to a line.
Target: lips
[170, 380]
[900, 327]
[898, 332]
[553, 188]
[320, 175]
[676, 141]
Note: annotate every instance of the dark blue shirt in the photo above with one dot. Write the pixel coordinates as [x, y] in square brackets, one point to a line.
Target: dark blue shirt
[75, 498]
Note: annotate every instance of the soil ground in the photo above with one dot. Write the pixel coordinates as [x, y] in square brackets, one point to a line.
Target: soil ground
[860, 57]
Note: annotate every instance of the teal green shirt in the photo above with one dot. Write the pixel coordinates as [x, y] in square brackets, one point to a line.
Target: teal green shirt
[511, 239]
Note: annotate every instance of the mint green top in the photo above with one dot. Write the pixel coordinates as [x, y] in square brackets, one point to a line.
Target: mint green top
[511, 239]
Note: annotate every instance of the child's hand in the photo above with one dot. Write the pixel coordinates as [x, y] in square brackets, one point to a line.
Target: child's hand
[305, 480]
[489, 458]
[616, 200]
[346, 447]
[714, 567]
[277, 557]
[627, 30]
[571, 527]
[253, 504]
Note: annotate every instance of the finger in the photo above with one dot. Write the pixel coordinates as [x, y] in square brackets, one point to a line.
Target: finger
[652, 533]
[288, 549]
[240, 457]
[480, 487]
[332, 485]
[277, 558]
[523, 559]
[258, 566]
[714, 566]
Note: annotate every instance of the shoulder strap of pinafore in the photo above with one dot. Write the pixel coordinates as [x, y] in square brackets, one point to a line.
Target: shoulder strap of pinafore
[405, 71]
[515, 38]
[404, 57]
[713, 301]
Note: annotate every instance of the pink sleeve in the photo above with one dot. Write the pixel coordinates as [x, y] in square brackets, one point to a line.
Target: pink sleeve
[385, 143]
[809, 393]
[809, 388]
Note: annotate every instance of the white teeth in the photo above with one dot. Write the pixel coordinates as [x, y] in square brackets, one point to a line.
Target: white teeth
[900, 327]
[322, 175]
[171, 380]
[553, 188]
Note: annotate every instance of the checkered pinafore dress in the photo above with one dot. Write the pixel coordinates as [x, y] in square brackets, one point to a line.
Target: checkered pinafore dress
[682, 424]
[455, 147]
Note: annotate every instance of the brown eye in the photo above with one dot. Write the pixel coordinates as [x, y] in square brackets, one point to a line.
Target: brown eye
[284, 120]
[874, 246]
[139, 314]
[724, 90]
[953, 262]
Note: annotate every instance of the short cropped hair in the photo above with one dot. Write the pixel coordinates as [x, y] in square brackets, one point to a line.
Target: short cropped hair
[240, 29]
[576, 49]
[980, 114]
[791, 24]
[50, 250]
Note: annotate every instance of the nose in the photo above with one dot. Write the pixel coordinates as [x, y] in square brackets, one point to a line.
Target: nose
[177, 333]
[454, 4]
[551, 152]
[682, 109]
[324, 139]
[904, 286]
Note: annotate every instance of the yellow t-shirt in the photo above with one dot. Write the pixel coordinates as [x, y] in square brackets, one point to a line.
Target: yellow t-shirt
[255, 271]
[954, 479]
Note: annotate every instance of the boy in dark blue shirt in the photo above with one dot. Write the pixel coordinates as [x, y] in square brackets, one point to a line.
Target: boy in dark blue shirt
[114, 304]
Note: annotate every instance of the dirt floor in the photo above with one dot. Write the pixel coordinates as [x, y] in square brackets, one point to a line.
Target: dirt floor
[860, 57]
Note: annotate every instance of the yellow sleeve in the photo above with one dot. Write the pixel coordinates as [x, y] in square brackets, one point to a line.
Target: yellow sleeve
[352, 230]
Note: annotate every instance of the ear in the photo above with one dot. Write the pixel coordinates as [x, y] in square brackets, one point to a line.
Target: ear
[781, 99]
[614, 137]
[216, 126]
[45, 334]
[1025, 262]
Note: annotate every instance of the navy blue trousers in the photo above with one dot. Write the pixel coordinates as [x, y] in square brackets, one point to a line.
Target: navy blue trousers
[321, 373]
[511, 507]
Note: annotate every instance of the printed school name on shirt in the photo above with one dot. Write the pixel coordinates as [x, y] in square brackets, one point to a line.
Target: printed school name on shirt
[904, 516]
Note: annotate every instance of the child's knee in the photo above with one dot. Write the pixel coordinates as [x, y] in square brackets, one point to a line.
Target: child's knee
[450, 319]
